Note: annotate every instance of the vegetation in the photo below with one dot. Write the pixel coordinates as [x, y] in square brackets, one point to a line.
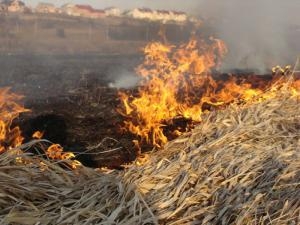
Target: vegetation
[239, 166]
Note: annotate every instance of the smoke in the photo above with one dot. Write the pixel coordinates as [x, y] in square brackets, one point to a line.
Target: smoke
[125, 79]
[259, 33]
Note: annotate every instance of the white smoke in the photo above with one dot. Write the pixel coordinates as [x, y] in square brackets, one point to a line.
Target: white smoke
[258, 33]
[125, 79]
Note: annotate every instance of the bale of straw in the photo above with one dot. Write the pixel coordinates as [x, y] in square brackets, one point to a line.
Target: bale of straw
[240, 166]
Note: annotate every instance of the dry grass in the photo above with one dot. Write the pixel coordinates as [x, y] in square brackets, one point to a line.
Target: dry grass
[240, 166]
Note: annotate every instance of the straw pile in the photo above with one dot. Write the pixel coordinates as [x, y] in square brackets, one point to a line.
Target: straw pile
[240, 166]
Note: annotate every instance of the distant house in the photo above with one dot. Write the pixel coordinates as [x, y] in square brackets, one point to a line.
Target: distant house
[15, 5]
[157, 15]
[46, 8]
[113, 11]
[140, 13]
[179, 16]
[163, 15]
[97, 14]
[88, 11]
[3, 8]
[67, 9]
[82, 11]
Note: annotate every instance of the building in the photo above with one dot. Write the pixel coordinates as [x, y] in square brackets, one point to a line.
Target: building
[141, 13]
[113, 11]
[88, 11]
[82, 11]
[14, 5]
[163, 15]
[3, 8]
[46, 8]
[67, 9]
[97, 14]
[179, 16]
[158, 15]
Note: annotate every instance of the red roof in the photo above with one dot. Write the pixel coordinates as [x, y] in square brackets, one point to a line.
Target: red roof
[99, 11]
[86, 7]
[163, 11]
[146, 10]
[179, 13]
[90, 9]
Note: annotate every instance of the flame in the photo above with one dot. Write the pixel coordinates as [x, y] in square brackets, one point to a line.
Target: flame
[38, 135]
[56, 152]
[177, 83]
[10, 137]
[10, 108]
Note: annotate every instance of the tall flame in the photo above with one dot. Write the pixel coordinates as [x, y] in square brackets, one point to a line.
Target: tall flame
[176, 82]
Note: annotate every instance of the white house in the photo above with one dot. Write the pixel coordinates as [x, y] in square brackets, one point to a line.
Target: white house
[14, 5]
[113, 11]
[158, 15]
[68, 9]
[3, 7]
[82, 11]
[179, 16]
[141, 13]
[163, 15]
[46, 8]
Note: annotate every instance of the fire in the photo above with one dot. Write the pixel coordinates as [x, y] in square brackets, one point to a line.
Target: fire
[10, 108]
[38, 134]
[177, 83]
[56, 152]
[10, 137]
[171, 79]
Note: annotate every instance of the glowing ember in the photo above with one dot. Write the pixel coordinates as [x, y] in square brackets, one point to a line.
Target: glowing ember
[38, 135]
[55, 151]
[177, 83]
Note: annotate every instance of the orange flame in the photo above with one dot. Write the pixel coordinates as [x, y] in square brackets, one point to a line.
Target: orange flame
[55, 152]
[10, 108]
[38, 134]
[176, 82]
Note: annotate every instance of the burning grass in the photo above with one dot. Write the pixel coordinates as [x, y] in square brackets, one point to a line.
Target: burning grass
[177, 84]
[240, 165]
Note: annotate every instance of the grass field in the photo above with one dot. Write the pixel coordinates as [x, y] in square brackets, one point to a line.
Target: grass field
[55, 34]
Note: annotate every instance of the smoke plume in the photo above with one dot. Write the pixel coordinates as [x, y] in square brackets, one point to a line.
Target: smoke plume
[259, 33]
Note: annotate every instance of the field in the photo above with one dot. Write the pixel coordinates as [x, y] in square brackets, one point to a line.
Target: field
[240, 166]
[225, 151]
[59, 34]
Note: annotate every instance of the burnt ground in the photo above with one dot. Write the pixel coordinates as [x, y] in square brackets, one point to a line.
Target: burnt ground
[71, 101]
